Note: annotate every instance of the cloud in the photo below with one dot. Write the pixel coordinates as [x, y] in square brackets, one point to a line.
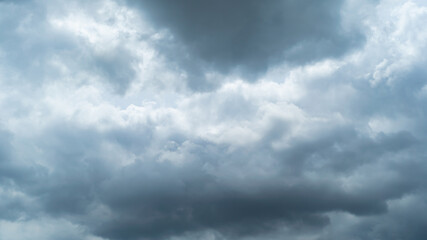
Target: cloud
[61, 41]
[250, 36]
[101, 138]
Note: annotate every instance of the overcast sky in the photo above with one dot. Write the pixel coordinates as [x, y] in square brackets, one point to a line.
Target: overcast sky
[213, 120]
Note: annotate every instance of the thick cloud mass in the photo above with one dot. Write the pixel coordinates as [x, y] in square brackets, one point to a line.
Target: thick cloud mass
[311, 123]
[250, 35]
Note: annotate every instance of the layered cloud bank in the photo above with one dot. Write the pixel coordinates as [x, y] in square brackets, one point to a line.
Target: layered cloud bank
[213, 119]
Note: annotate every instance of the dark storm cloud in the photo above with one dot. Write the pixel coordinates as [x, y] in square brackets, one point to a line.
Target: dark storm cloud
[149, 199]
[249, 35]
[163, 199]
[155, 200]
[403, 221]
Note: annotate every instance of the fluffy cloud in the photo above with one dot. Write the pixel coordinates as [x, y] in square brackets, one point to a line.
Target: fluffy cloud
[212, 120]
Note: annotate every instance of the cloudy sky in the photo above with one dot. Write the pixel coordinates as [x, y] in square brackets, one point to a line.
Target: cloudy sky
[213, 120]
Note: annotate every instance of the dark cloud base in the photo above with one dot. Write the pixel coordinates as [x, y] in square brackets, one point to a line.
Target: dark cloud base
[248, 36]
[155, 200]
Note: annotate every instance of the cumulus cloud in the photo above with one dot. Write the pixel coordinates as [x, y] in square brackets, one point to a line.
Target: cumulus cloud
[212, 120]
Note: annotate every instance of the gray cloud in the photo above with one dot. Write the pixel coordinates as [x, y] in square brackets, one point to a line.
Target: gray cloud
[154, 200]
[250, 36]
[329, 147]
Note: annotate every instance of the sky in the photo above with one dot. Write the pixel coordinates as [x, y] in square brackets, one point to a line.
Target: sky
[213, 120]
